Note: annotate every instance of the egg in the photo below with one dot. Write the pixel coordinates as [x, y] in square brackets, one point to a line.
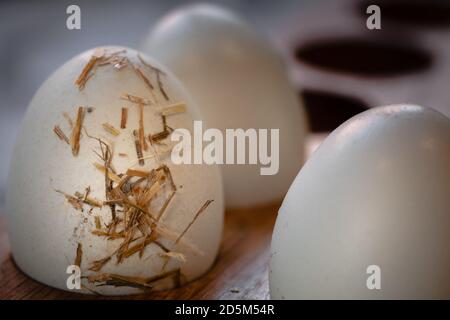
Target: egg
[368, 216]
[238, 81]
[94, 200]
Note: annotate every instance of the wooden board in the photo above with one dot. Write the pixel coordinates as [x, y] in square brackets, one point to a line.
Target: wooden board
[240, 272]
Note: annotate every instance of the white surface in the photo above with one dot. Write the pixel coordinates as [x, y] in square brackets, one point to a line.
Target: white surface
[376, 192]
[41, 222]
[238, 81]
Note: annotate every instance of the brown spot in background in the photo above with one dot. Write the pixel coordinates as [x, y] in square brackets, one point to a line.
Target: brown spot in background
[364, 57]
[326, 111]
[424, 13]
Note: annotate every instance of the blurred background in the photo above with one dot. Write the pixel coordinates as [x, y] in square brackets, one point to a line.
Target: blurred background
[337, 64]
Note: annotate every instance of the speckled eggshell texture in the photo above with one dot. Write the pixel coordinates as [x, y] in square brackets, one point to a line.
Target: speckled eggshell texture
[238, 81]
[45, 228]
[368, 216]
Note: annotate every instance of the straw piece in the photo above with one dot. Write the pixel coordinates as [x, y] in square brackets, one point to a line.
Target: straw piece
[57, 130]
[76, 132]
[173, 109]
[110, 129]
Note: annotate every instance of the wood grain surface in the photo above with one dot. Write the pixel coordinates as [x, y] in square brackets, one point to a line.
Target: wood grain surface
[240, 271]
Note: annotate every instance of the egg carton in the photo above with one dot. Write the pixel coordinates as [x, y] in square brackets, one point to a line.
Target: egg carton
[333, 58]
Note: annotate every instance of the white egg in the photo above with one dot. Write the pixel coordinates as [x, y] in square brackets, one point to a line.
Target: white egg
[46, 224]
[368, 216]
[238, 81]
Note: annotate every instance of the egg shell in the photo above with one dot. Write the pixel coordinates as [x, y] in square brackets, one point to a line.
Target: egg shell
[238, 81]
[375, 193]
[45, 230]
